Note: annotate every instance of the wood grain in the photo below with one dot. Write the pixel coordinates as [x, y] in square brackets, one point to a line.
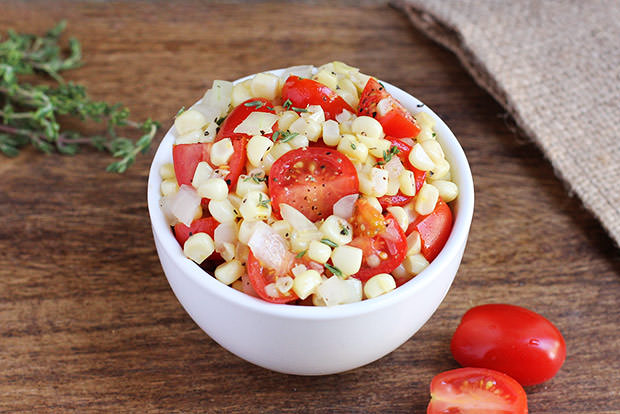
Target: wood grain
[88, 322]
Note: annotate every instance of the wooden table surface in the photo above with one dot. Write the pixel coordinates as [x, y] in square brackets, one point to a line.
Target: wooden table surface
[88, 322]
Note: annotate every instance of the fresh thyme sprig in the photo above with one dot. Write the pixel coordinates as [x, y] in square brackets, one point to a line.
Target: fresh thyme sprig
[29, 113]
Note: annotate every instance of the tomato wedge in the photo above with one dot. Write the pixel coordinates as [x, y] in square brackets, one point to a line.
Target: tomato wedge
[396, 121]
[239, 114]
[312, 179]
[434, 229]
[389, 247]
[510, 339]
[476, 391]
[186, 157]
[302, 92]
[260, 276]
[201, 225]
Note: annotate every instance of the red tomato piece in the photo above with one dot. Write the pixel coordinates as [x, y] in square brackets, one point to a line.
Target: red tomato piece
[434, 229]
[201, 225]
[239, 114]
[237, 161]
[396, 121]
[403, 153]
[389, 246]
[311, 179]
[476, 391]
[302, 92]
[510, 339]
[186, 157]
[260, 276]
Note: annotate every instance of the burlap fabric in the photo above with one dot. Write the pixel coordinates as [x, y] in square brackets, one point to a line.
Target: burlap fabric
[555, 67]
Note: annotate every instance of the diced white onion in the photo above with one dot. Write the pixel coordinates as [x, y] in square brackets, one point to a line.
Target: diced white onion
[344, 207]
[165, 203]
[296, 218]
[257, 123]
[216, 100]
[225, 233]
[269, 247]
[184, 204]
[344, 116]
[303, 71]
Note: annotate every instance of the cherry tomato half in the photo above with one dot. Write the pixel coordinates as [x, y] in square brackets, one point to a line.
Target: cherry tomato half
[302, 92]
[186, 157]
[260, 276]
[476, 391]
[312, 179]
[434, 229]
[201, 225]
[239, 114]
[396, 121]
[510, 339]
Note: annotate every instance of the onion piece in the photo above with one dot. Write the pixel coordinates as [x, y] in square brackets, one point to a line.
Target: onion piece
[270, 248]
[408, 141]
[164, 203]
[225, 233]
[184, 204]
[303, 71]
[344, 207]
[216, 101]
[296, 218]
[394, 167]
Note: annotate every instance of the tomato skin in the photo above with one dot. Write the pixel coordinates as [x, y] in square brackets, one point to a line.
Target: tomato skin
[395, 246]
[510, 339]
[201, 225]
[434, 229]
[302, 92]
[238, 115]
[464, 391]
[313, 193]
[397, 122]
[258, 278]
[186, 157]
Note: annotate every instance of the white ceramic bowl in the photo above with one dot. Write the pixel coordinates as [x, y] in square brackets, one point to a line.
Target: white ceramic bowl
[308, 340]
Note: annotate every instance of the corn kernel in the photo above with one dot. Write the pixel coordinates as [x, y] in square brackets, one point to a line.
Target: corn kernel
[257, 147]
[380, 147]
[426, 134]
[414, 243]
[352, 148]
[241, 252]
[241, 93]
[415, 263]
[350, 98]
[202, 174]
[169, 186]
[265, 85]
[246, 183]
[246, 229]
[284, 284]
[300, 240]
[319, 252]
[420, 159]
[347, 259]
[424, 120]
[255, 206]
[373, 201]
[379, 285]
[311, 129]
[198, 247]
[189, 121]
[286, 118]
[314, 113]
[440, 171]
[306, 282]
[433, 150]
[297, 141]
[192, 137]
[214, 189]
[367, 127]
[166, 171]
[238, 285]
[401, 216]
[229, 272]
[282, 148]
[337, 229]
[426, 199]
[222, 210]
[227, 251]
[221, 151]
[331, 132]
[283, 228]
[327, 78]
[448, 191]
[407, 183]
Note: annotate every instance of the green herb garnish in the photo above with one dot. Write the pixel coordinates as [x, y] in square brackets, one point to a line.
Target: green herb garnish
[219, 121]
[256, 104]
[300, 254]
[296, 109]
[353, 146]
[180, 112]
[262, 201]
[257, 178]
[387, 155]
[329, 242]
[30, 111]
[287, 104]
[333, 269]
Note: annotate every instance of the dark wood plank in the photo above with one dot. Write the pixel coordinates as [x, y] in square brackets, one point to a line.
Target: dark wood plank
[89, 323]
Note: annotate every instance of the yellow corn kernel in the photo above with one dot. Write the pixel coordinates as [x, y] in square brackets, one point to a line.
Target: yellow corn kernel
[401, 216]
[426, 199]
[282, 148]
[241, 93]
[448, 191]
[284, 284]
[433, 150]
[414, 243]
[235, 200]
[238, 285]
[348, 86]
[198, 247]
[265, 85]
[352, 148]
[327, 78]
[202, 174]
[214, 189]
[314, 113]
[188, 121]
[247, 183]
[349, 97]
[379, 285]
[319, 251]
[424, 120]
[169, 186]
[311, 129]
[380, 147]
[246, 229]
[420, 159]
[306, 282]
[407, 183]
[192, 137]
[373, 201]
[367, 127]
[331, 132]
[257, 147]
[227, 251]
[347, 259]
[286, 118]
[415, 263]
[255, 206]
[166, 171]
[222, 210]
[337, 229]
[300, 240]
[440, 171]
[283, 228]
[229, 272]
[221, 152]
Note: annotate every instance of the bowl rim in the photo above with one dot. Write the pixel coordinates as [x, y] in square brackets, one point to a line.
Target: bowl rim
[462, 208]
